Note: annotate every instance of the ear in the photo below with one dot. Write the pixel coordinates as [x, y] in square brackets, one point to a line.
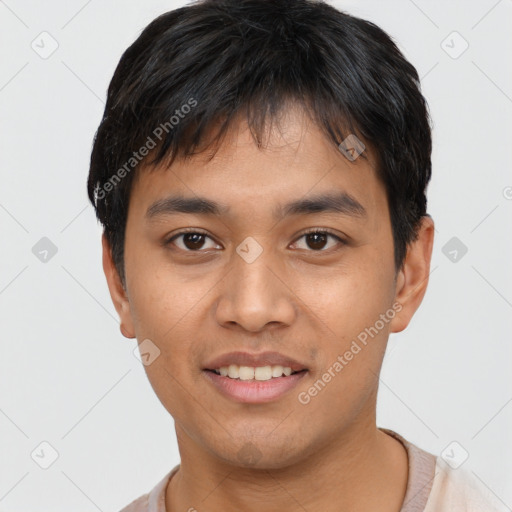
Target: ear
[412, 279]
[117, 291]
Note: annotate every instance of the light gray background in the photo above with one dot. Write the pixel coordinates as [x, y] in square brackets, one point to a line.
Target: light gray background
[67, 375]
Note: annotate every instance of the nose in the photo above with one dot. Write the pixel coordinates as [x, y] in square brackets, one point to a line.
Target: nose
[256, 294]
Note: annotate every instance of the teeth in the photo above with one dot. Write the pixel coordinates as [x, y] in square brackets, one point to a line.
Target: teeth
[233, 371]
[277, 371]
[263, 373]
[246, 373]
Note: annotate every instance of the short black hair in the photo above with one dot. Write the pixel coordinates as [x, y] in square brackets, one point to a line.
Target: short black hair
[196, 70]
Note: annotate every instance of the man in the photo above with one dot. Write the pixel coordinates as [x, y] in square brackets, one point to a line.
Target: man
[260, 172]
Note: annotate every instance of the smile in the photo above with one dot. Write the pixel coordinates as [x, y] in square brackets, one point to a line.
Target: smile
[254, 385]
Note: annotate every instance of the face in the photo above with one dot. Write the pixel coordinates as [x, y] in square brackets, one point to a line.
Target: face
[240, 281]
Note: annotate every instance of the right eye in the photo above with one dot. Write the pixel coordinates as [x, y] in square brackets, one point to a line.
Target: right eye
[192, 240]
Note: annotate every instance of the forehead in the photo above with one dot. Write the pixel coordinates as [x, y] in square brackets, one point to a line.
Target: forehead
[296, 161]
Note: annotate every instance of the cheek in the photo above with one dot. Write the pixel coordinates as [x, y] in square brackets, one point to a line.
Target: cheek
[352, 345]
[165, 311]
[350, 298]
[160, 295]
[170, 310]
[349, 309]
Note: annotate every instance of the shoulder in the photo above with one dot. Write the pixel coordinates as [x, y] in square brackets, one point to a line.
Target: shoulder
[139, 505]
[459, 489]
[153, 501]
[434, 486]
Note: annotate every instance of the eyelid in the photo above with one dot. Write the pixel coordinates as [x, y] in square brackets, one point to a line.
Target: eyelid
[320, 230]
[167, 240]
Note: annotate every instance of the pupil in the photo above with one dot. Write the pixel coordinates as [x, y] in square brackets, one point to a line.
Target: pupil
[193, 240]
[315, 237]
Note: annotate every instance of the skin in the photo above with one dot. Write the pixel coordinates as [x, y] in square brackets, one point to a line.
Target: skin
[298, 298]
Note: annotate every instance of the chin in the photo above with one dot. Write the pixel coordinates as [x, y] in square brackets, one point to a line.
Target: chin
[260, 454]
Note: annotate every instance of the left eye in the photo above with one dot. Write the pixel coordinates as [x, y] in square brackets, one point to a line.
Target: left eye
[317, 240]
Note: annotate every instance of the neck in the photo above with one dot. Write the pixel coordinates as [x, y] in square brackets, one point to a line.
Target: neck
[364, 469]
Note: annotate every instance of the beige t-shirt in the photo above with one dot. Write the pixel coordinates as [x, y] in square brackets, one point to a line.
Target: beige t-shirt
[432, 486]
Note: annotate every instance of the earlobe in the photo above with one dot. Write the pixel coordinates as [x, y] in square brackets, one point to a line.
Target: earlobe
[117, 291]
[412, 279]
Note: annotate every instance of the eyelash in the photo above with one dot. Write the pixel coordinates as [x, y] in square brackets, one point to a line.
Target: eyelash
[307, 232]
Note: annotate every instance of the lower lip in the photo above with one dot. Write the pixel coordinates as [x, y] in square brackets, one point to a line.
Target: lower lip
[254, 391]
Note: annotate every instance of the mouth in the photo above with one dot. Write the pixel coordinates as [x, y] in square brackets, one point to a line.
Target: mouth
[261, 378]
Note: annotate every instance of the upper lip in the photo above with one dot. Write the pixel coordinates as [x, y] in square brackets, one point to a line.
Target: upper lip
[254, 360]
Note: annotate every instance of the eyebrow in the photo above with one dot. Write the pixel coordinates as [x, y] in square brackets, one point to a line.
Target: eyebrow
[340, 203]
